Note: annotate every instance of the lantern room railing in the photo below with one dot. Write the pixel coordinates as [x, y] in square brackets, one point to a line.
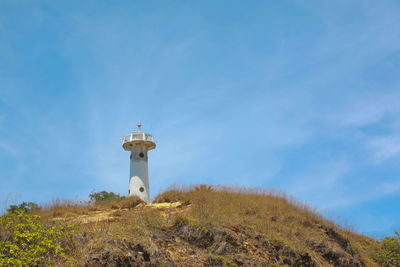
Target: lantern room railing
[138, 136]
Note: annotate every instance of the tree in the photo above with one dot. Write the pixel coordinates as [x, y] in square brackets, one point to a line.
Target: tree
[26, 207]
[104, 196]
[389, 253]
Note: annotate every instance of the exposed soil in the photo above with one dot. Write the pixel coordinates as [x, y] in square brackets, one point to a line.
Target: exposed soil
[230, 245]
[183, 244]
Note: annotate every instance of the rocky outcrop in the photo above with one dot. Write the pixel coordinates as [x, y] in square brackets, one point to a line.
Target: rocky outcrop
[230, 245]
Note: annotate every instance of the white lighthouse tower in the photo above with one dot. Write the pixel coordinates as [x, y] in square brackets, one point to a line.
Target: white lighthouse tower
[138, 143]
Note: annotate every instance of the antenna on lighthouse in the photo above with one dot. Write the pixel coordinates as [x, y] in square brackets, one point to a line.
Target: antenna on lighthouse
[139, 126]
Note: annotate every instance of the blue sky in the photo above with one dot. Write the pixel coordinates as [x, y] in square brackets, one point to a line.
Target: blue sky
[299, 96]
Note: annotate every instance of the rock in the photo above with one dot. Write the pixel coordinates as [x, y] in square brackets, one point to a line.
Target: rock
[221, 248]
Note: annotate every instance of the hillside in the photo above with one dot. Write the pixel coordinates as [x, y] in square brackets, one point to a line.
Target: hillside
[202, 226]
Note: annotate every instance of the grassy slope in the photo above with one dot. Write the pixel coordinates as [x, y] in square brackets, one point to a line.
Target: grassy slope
[274, 215]
[240, 214]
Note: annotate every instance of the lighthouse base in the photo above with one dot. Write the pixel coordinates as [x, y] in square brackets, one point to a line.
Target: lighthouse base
[138, 188]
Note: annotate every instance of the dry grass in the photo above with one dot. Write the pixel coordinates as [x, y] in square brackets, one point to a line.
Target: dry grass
[130, 202]
[274, 214]
[263, 210]
[62, 208]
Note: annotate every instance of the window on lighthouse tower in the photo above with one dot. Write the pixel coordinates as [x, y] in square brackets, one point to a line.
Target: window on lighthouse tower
[141, 154]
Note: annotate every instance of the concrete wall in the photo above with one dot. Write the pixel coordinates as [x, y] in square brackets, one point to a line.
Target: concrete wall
[139, 174]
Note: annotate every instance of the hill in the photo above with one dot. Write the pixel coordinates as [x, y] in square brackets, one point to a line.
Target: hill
[194, 226]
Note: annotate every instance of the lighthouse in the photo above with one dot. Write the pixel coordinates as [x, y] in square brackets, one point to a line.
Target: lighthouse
[139, 143]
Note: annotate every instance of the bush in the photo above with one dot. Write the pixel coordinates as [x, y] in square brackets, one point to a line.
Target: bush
[389, 253]
[26, 207]
[169, 196]
[25, 241]
[204, 188]
[104, 196]
[130, 202]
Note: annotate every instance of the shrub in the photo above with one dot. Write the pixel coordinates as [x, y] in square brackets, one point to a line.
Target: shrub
[104, 196]
[389, 253]
[130, 202]
[26, 207]
[204, 188]
[169, 196]
[25, 241]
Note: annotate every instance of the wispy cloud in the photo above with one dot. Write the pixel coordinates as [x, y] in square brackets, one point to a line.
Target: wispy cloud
[9, 148]
[385, 147]
[368, 110]
[388, 188]
[378, 191]
[228, 100]
[322, 182]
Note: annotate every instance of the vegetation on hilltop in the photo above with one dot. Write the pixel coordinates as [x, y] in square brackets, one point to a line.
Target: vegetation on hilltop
[210, 226]
[26, 241]
[389, 252]
[104, 196]
[26, 207]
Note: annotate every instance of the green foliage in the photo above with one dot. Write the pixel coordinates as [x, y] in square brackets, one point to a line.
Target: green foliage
[25, 241]
[104, 196]
[389, 253]
[26, 207]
